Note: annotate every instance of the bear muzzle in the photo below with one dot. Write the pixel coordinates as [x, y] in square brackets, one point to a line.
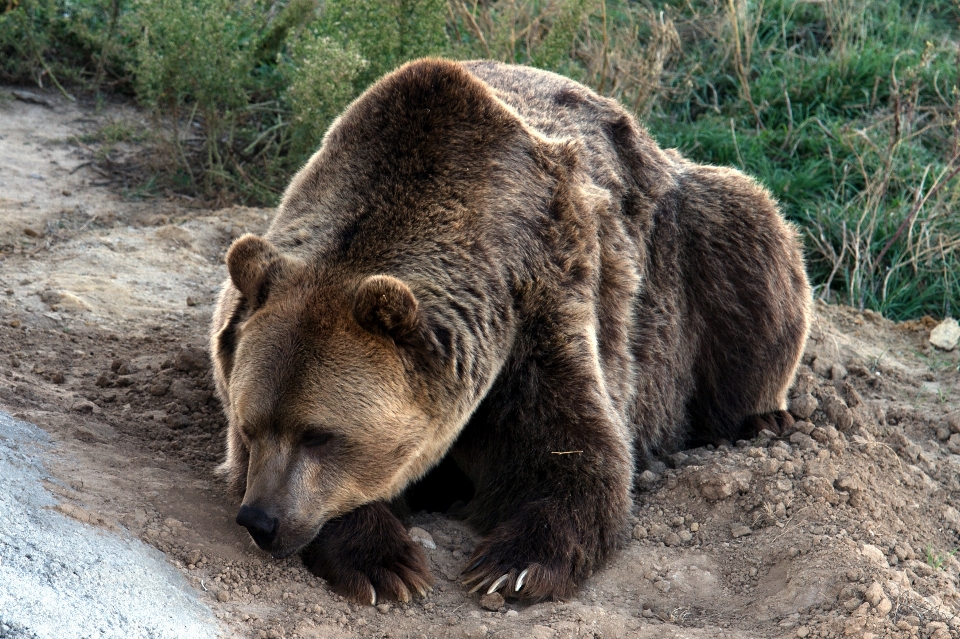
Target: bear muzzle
[262, 527]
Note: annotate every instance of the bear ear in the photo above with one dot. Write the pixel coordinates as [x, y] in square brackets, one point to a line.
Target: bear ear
[252, 262]
[385, 305]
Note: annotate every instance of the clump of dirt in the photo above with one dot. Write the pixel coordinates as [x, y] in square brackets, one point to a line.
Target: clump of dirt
[846, 527]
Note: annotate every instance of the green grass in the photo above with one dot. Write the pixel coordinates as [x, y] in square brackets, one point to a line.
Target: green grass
[847, 110]
[938, 560]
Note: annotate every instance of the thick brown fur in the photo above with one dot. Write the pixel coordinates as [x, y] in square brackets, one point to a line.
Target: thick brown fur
[494, 265]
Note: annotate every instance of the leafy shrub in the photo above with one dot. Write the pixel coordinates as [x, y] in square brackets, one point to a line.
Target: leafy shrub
[847, 110]
[324, 79]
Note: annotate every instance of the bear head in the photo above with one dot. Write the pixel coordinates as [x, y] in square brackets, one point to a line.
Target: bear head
[324, 381]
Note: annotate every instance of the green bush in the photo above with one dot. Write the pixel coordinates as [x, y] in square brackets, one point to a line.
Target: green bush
[324, 78]
[847, 110]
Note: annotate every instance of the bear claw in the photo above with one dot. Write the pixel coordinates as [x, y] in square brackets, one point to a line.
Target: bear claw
[499, 582]
[520, 580]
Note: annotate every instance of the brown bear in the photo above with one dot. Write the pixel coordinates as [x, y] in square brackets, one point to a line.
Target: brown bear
[494, 267]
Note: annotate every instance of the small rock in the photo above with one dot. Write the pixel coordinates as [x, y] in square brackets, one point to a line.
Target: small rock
[32, 232]
[804, 427]
[671, 539]
[874, 594]
[84, 406]
[739, 530]
[639, 532]
[954, 443]
[953, 421]
[837, 372]
[159, 389]
[884, 606]
[223, 596]
[178, 422]
[802, 441]
[685, 536]
[191, 359]
[946, 334]
[819, 487]
[803, 406]
[822, 366]
[838, 413]
[493, 601]
[384, 608]
[255, 589]
[648, 477]
[57, 377]
[803, 631]
[873, 553]
[952, 518]
[422, 537]
[103, 380]
[694, 527]
[714, 484]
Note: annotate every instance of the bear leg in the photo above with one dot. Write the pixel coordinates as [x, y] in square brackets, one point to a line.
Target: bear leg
[367, 555]
[779, 422]
[539, 554]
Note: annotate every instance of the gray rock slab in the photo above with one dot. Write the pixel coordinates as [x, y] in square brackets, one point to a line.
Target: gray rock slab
[64, 579]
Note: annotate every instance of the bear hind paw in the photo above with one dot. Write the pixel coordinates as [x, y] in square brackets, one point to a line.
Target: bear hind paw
[779, 422]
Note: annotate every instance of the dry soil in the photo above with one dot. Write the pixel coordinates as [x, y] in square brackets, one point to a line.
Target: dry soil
[844, 528]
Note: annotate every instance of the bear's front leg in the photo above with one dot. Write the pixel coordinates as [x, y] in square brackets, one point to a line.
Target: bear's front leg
[553, 496]
[366, 555]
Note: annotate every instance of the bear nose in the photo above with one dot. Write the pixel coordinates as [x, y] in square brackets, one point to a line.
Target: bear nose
[261, 526]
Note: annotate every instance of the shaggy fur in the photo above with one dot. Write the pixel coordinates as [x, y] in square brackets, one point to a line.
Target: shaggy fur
[494, 266]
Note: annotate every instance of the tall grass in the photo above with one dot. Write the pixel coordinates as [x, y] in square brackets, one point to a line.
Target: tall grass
[847, 110]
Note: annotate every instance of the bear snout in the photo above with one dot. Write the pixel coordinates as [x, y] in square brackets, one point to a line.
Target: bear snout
[261, 526]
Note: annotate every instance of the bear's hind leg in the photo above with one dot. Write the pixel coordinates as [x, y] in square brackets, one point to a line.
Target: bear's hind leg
[779, 422]
[367, 555]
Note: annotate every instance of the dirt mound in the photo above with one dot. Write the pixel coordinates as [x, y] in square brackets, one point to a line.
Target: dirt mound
[844, 528]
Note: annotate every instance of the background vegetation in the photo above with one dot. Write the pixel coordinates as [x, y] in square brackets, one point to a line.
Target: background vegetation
[848, 110]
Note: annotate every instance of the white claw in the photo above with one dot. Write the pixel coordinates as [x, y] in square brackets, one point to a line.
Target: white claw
[373, 596]
[478, 586]
[520, 579]
[499, 582]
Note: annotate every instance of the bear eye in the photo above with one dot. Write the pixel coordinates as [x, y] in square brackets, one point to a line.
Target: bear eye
[315, 440]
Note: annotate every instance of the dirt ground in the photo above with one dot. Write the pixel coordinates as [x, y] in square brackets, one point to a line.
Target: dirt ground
[845, 528]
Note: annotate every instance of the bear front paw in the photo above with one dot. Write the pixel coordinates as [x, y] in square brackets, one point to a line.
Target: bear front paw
[528, 581]
[366, 555]
[530, 562]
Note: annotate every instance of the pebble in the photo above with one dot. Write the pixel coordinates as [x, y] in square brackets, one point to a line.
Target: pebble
[739, 530]
[715, 484]
[803, 441]
[884, 606]
[873, 553]
[838, 413]
[493, 601]
[953, 421]
[422, 537]
[803, 406]
[946, 334]
[874, 594]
